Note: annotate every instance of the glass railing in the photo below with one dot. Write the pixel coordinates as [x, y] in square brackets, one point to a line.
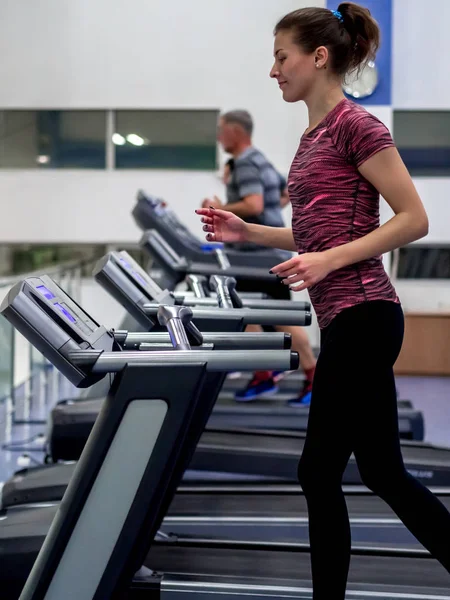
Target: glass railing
[28, 382]
[6, 345]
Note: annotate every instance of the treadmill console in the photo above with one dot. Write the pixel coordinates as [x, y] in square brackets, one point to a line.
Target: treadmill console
[156, 204]
[56, 325]
[161, 250]
[130, 285]
[127, 264]
[153, 212]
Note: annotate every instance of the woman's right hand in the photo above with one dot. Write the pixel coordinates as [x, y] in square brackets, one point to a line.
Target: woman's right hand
[223, 226]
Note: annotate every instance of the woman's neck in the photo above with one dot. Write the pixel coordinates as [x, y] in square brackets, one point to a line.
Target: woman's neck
[320, 104]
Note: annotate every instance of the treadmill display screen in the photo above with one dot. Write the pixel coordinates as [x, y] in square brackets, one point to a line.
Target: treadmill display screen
[135, 274]
[139, 278]
[125, 263]
[155, 202]
[45, 292]
[65, 312]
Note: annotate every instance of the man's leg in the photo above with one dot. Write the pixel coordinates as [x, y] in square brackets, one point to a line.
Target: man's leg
[302, 345]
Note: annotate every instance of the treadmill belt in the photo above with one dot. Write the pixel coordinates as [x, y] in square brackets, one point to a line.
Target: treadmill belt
[267, 442]
[280, 505]
[293, 443]
[428, 454]
[425, 574]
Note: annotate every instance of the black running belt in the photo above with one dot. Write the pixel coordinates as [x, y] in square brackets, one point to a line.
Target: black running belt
[23, 531]
[264, 454]
[267, 442]
[427, 454]
[272, 454]
[271, 504]
[430, 464]
[293, 444]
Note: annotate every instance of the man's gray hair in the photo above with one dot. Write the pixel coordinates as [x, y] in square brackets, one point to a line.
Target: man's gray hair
[240, 117]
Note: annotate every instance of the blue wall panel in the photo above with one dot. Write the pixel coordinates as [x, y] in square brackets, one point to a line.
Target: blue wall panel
[382, 12]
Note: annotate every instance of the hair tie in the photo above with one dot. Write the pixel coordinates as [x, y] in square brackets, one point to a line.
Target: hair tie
[338, 15]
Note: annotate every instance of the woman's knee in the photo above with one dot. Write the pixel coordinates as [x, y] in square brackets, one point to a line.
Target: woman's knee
[315, 476]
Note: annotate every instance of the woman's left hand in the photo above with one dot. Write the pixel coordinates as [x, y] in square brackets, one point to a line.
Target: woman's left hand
[309, 268]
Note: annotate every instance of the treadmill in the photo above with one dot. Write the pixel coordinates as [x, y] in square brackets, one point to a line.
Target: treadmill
[250, 517]
[200, 294]
[132, 287]
[136, 454]
[176, 266]
[235, 455]
[238, 458]
[151, 212]
[54, 323]
[123, 278]
[120, 275]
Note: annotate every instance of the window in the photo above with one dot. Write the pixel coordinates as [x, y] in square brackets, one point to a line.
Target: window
[16, 259]
[423, 140]
[87, 139]
[420, 261]
[53, 139]
[166, 139]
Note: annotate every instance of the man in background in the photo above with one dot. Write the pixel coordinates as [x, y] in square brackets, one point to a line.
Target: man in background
[256, 193]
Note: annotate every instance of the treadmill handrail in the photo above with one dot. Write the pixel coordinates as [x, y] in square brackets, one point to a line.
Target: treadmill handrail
[234, 271]
[269, 304]
[263, 341]
[171, 317]
[249, 316]
[219, 284]
[266, 303]
[218, 361]
[195, 283]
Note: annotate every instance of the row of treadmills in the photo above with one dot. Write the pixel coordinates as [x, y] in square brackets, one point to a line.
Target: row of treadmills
[156, 484]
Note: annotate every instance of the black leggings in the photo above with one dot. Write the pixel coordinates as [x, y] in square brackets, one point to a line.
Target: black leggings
[354, 409]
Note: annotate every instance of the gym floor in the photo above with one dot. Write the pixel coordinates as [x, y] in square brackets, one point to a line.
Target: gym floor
[431, 395]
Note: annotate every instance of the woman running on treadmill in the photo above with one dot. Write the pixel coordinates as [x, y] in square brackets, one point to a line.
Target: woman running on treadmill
[345, 160]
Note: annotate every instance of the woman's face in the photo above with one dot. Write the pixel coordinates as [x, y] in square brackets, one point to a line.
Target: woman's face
[294, 70]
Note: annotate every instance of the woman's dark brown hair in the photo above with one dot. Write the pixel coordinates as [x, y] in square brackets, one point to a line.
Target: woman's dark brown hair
[352, 36]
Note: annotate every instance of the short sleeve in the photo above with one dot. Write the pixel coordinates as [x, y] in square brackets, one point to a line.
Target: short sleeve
[359, 135]
[248, 179]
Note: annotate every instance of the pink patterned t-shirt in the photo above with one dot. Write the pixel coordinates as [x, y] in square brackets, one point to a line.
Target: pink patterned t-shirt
[333, 204]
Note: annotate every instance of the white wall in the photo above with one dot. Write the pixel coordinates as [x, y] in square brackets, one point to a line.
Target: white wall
[134, 54]
[93, 206]
[435, 194]
[421, 81]
[421, 76]
[424, 295]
